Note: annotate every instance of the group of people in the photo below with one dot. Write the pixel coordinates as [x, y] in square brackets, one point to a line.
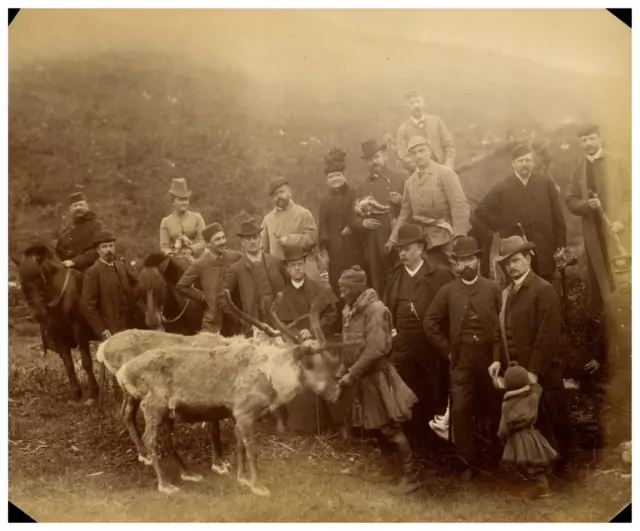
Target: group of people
[391, 263]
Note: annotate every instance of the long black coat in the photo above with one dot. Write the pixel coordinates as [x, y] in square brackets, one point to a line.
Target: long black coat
[336, 214]
[537, 207]
[76, 241]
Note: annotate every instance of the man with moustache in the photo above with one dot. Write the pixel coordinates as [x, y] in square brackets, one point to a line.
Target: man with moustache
[462, 322]
[76, 247]
[209, 271]
[290, 224]
[411, 288]
[254, 280]
[427, 126]
[339, 245]
[433, 198]
[384, 186]
[530, 199]
[530, 323]
[108, 299]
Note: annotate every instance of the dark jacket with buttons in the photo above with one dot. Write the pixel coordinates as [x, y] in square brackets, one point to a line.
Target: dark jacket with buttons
[443, 321]
[76, 241]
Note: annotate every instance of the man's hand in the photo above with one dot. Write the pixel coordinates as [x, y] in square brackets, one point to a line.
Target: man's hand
[494, 369]
[68, 263]
[617, 227]
[371, 224]
[106, 335]
[389, 246]
[346, 231]
[346, 380]
[594, 203]
[283, 240]
[342, 370]
[592, 366]
[305, 334]
[395, 198]
[533, 378]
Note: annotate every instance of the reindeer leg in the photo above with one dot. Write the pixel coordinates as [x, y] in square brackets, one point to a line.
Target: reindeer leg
[219, 466]
[241, 457]
[153, 419]
[173, 454]
[130, 410]
[76, 390]
[87, 365]
[246, 430]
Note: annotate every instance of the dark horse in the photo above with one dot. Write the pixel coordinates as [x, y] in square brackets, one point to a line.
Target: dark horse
[165, 308]
[53, 292]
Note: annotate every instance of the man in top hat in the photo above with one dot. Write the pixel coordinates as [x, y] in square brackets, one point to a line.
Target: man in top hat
[434, 199]
[290, 224]
[181, 231]
[209, 271]
[462, 322]
[255, 279]
[75, 246]
[382, 188]
[532, 200]
[410, 290]
[339, 243]
[427, 126]
[530, 323]
[108, 299]
[306, 412]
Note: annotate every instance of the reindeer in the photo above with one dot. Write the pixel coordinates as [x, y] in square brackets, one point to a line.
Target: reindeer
[244, 378]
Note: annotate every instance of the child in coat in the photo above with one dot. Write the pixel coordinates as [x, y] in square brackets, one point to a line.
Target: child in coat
[525, 448]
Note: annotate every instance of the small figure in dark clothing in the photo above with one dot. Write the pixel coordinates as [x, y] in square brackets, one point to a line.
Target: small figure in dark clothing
[525, 448]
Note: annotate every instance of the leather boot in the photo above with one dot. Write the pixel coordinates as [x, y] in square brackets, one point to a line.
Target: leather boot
[409, 480]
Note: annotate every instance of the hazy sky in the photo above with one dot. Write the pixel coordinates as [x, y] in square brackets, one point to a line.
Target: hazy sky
[586, 40]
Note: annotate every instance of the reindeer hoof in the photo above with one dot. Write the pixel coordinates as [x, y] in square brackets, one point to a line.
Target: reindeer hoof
[221, 469]
[195, 478]
[144, 460]
[260, 490]
[168, 488]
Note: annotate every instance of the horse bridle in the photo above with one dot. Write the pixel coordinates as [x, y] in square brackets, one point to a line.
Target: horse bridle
[174, 320]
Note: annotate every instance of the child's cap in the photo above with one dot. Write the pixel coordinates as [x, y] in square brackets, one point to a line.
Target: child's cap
[515, 377]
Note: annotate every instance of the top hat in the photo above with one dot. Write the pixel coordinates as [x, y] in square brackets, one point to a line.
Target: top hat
[512, 245]
[294, 252]
[210, 230]
[249, 228]
[370, 148]
[179, 188]
[104, 236]
[410, 233]
[277, 183]
[465, 246]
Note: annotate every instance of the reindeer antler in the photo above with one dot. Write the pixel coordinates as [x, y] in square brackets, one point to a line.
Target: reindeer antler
[286, 333]
[314, 319]
[245, 317]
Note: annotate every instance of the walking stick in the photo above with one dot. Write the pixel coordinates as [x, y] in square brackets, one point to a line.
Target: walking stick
[102, 384]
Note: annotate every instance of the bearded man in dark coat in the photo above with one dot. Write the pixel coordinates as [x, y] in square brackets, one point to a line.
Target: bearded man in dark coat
[76, 247]
[108, 298]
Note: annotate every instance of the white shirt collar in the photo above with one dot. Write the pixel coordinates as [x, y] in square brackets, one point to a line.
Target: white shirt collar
[297, 283]
[112, 264]
[519, 281]
[412, 273]
[597, 155]
[522, 179]
[469, 282]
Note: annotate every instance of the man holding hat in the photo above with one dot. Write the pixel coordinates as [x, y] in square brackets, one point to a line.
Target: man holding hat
[382, 188]
[76, 246]
[410, 290]
[108, 299]
[462, 322]
[532, 200]
[429, 127]
[290, 224]
[530, 323]
[209, 271]
[434, 199]
[255, 279]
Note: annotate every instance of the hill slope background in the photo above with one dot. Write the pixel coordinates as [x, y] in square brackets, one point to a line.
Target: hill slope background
[228, 107]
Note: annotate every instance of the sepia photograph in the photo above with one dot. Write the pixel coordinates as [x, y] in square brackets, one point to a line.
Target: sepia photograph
[319, 265]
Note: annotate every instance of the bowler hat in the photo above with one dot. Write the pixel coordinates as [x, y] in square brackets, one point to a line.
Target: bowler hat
[294, 252]
[416, 141]
[277, 183]
[179, 188]
[104, 236]
[512, 245]
[465, 246]
[370, 148]
[521, 150]
[76, 197]
[210, 230]
[249, 228]
[410, 233]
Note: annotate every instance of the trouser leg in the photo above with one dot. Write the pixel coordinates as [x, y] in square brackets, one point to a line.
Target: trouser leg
[462, 407]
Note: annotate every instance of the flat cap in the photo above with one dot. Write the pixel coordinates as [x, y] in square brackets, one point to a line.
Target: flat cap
[416, 141]
[277, 183]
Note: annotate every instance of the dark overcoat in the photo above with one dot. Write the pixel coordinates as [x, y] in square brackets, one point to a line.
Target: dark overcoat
[76, 241]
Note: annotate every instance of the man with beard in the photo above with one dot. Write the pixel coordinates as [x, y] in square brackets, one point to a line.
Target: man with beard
[75, 247]
[290, 224]
[254, 280]
[209, 270]
[532, 200]
[383, 187]
[463, 323]
[412, 286]
[429, 127]
[433, 198]
[339, 245]
[530, 323]
[108, 299]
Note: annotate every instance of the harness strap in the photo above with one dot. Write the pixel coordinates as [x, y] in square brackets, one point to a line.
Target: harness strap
[171, 321]
[57, 300]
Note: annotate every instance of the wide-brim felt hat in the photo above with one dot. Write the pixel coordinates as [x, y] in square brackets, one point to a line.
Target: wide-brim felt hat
[294, 252]
[512, 245]
[465, 246]
[370, 148]
[179, 188]
[104, 236]
[249, 228]
[410, 233]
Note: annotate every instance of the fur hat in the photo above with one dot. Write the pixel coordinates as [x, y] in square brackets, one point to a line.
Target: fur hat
[210, 230]
[353, 278]
[515, 377]
[334, 161]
